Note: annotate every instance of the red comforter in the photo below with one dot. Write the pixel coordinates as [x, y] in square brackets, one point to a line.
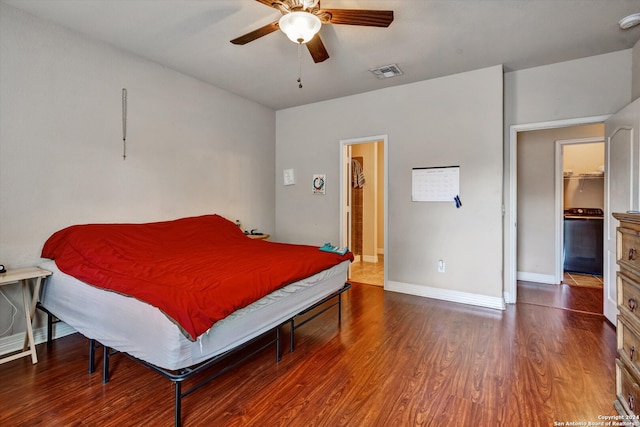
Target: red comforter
[196, 270]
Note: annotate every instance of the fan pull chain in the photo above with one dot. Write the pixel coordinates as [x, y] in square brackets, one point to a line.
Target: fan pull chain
[300, 65]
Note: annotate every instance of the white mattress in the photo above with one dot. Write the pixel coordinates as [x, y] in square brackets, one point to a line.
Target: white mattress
[143, 331]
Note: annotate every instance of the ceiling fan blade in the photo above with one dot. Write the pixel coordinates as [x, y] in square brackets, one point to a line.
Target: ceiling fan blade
[368, 18]
[266, 2]
[317, 49]
[256, 34]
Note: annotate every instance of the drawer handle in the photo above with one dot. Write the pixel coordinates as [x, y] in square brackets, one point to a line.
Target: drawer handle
[632, 304]
[632, 254]
[632, 350]
[630, 400]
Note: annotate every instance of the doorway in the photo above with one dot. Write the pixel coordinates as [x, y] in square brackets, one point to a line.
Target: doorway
[580, 203]
[363, 198]
[580, 211]
[517, 212]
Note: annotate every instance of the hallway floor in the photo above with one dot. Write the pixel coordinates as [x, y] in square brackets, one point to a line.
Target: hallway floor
[584, 280]
[575, 293]
[370, 273]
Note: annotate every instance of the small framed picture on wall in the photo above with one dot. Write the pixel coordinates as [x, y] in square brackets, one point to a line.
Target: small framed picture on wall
[319, 183]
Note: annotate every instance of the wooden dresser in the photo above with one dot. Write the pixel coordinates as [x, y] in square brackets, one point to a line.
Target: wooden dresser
[628, 322]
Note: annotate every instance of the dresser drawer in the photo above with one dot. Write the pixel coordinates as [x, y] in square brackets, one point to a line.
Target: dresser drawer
[629, 345]
[628, 295]
[627, 389]
[628, 248]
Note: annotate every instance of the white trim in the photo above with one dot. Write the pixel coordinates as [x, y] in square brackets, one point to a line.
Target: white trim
[631, 171]
[511, 230]
[549, 279]
[511, 288]
[558, 259]
[14, 342]
[363, 140]
[610, 267]
[559, 202]
[507, 297]
[446, 295]
[370, 258]
[374, 258]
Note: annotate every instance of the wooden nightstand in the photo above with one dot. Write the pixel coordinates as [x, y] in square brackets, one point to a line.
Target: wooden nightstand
[23, 276]
[257, 236]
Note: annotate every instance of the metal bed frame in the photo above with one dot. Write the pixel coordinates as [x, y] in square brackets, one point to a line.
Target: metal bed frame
[179, 376]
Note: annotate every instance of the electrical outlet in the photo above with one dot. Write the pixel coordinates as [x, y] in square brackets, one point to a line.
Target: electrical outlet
[440, 266]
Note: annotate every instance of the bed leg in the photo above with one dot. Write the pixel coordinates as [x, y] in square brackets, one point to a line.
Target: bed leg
[49, 322]
[292, 345]
[339, 308]
[92, 353]
[178, 408]
[278, 350]
[49, 328]
[105, 364]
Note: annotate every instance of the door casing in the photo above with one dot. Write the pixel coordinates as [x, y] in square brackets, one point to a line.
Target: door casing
[511, 228]
[344, 181]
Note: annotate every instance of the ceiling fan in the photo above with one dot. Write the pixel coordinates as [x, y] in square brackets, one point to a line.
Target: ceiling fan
[301, 20]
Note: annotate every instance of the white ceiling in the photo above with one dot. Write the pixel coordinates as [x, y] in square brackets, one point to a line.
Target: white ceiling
[427, 39]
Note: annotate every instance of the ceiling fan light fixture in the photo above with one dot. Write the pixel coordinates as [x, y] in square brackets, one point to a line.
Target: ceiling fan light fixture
[300, 27]
[629, 21]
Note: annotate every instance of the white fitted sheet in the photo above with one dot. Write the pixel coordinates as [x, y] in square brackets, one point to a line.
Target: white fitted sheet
[143, 331]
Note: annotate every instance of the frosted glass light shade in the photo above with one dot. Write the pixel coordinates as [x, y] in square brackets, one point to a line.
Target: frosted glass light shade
[300, 27]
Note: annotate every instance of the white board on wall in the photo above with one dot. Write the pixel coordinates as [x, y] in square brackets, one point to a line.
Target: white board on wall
[435, 184]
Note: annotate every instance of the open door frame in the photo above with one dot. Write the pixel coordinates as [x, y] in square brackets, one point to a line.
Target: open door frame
[559, 202]
[511, 228]
[344, 177]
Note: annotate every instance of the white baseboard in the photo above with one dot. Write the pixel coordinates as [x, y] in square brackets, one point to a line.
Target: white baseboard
[549, 279]
[446, 295]
[14, 342]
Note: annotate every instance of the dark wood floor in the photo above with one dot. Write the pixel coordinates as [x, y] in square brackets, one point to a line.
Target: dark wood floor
[396, 360]
[563, 296]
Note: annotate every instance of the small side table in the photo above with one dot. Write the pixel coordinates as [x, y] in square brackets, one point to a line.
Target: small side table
[257, 236]
[22, 276]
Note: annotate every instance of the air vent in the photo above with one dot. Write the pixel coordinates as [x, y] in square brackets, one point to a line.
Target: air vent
[387, 71]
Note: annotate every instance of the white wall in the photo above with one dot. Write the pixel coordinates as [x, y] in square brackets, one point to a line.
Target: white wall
[192, 148]
[580, 88]
[453, 120]
[581, 159]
